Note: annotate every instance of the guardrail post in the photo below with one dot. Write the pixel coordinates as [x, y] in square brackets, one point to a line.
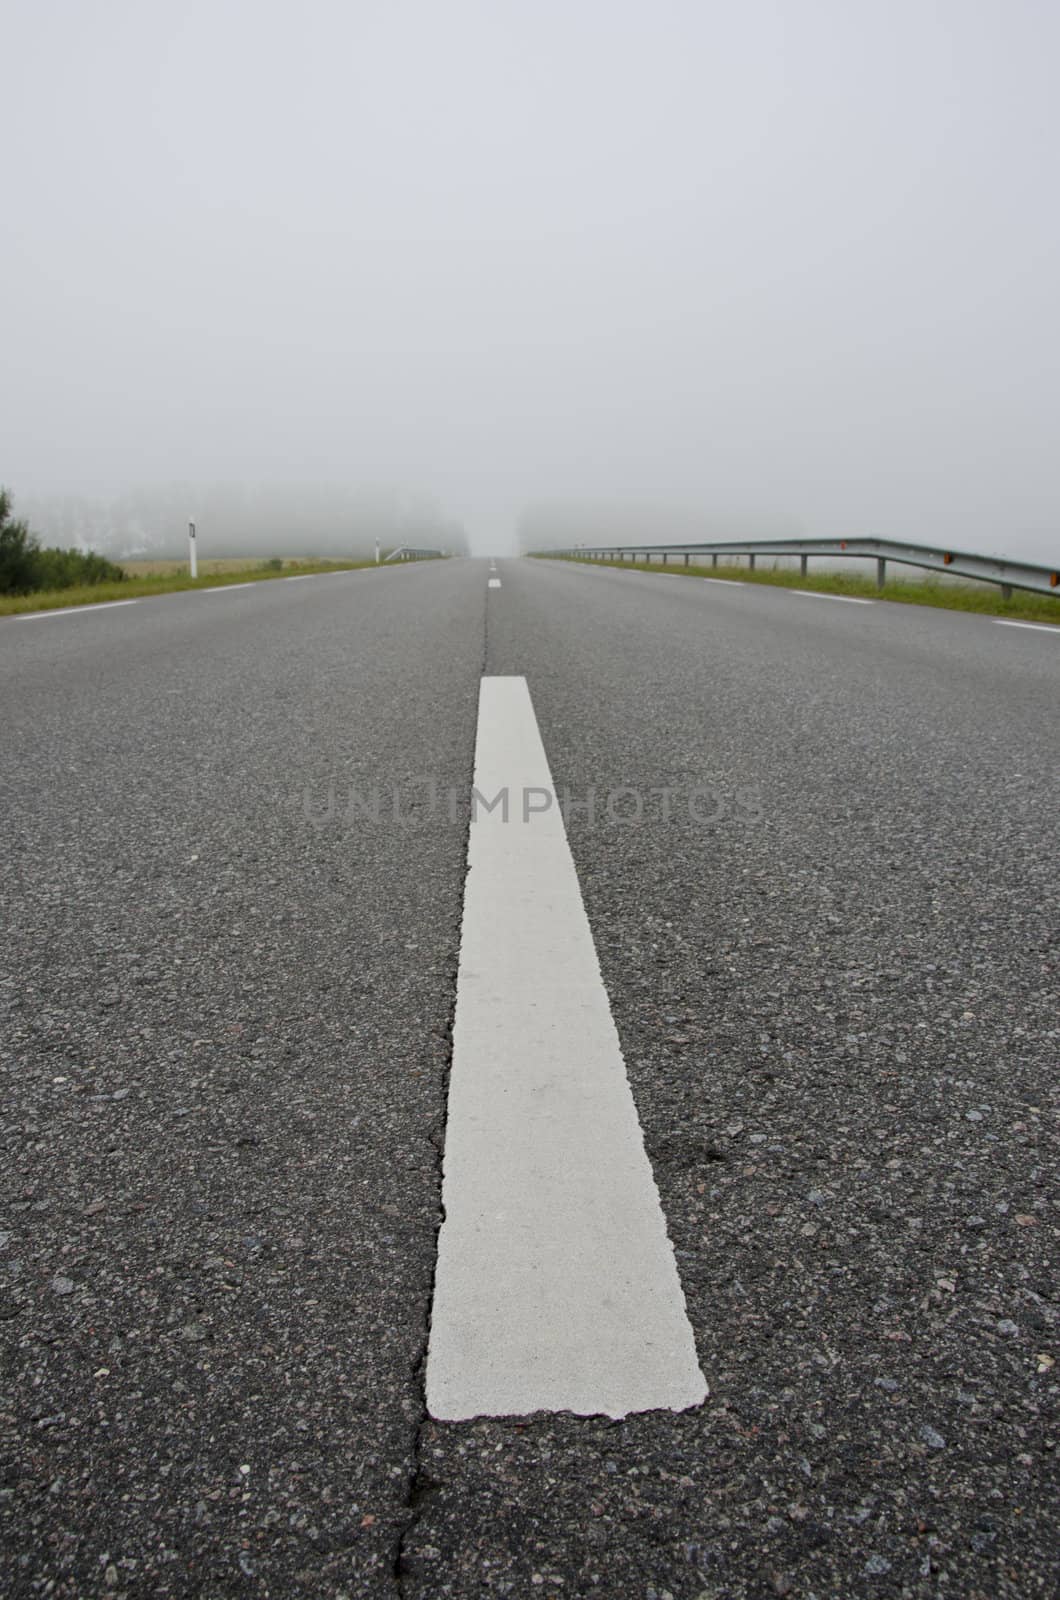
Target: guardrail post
[881, 571]
[751, 562]
[714, 559]
[664, 558]
[687, 558]
[802, 565]
[1006, 591]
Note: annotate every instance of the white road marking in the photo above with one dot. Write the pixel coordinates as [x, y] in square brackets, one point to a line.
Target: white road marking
[847, 599]
[73, 611]
[731, 583]
[1039, 627]
[495, 583]
[335, 572]
[226, 588]
[556, 1288]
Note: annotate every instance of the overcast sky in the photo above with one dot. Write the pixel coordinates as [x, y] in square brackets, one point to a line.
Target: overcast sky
[796, 256]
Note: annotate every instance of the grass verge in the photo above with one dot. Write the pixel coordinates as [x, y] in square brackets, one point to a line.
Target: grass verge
[982, 597]
[136, 588]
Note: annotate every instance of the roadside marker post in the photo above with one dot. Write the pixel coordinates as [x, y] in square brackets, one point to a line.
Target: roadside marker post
[193, 559]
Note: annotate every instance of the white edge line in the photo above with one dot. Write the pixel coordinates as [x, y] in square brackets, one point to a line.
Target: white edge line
[593, 566]
[1039, 627]
[217, 588]
[495, 583]
[72, 611]
[332, 572]
[847, 599]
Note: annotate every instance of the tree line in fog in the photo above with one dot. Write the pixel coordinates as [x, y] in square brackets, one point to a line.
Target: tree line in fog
[239, 520]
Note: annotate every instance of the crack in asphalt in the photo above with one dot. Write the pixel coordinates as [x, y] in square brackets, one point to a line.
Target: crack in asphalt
[420, 1484]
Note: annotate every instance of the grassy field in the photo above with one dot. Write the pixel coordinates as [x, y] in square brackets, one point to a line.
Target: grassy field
[169, 569]
[927, 591]
[167, 577]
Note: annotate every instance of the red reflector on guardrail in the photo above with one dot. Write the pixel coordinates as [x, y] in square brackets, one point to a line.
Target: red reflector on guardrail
[946, 560]
[1054, 579]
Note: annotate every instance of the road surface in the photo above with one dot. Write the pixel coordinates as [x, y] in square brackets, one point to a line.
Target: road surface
[813, 846]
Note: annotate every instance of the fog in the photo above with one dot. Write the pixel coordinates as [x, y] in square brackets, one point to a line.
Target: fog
[776, 263]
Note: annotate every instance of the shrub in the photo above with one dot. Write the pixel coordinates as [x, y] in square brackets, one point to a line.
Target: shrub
[25, 567]
[18, 551]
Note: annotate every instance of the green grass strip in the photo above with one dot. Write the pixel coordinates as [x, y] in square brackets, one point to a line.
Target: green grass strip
[91, 594]
[985, 598]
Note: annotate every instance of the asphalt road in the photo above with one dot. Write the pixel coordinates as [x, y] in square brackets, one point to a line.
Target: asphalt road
[228, 1004]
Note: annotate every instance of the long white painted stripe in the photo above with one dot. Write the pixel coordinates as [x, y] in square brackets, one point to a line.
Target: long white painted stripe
[847, 599]
[226, 588]
[494, 583]
[1039, 627]
[73, 611]
[556, 1286]
[730, 583]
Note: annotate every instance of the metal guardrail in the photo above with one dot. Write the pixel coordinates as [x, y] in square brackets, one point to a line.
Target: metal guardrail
[408, 552]
[958, 563]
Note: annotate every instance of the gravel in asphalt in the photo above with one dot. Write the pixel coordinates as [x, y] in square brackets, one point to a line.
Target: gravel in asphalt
[840, 1024]
[224, 1039]
[225, 1045]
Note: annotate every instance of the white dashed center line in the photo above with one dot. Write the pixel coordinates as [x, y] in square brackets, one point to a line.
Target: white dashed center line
[494, 583]
[557, 1288]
